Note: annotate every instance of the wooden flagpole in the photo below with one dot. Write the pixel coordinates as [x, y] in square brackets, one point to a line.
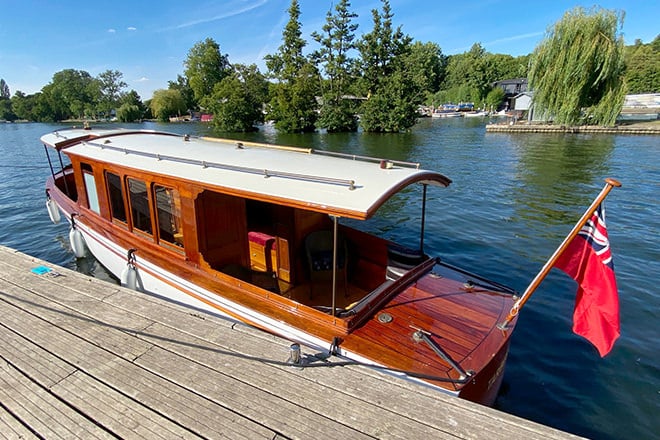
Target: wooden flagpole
[609, 184]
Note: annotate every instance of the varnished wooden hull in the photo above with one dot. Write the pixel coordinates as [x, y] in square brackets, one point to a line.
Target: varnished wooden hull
[434, 324]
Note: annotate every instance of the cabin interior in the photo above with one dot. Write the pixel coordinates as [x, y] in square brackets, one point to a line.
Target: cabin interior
[279, 248]
[288, 250]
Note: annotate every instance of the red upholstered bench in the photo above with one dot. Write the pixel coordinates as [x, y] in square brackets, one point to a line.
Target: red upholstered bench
[263, 255]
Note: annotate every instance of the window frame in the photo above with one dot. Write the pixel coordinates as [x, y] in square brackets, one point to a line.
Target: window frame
[89, 181]
[149, 203]
[175, 199]
[124, 205]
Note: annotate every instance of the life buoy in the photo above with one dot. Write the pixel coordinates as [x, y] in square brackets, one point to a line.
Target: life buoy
[53, 211]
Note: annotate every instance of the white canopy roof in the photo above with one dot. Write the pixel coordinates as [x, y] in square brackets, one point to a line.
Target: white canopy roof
[346, 186]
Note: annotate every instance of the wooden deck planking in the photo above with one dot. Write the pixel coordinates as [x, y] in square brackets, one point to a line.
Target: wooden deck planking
[71, 338]
[143, 360]
[12, 429]
[41, 411]
[411, 308]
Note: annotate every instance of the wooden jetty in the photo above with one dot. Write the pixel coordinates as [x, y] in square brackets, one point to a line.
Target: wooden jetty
[83, 358]
[637, 129]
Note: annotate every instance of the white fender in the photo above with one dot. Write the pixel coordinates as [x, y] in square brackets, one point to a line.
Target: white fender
[53, 211]
[128, 276]
[77, 243]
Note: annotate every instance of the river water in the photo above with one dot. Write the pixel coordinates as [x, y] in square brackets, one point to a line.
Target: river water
[512, 201]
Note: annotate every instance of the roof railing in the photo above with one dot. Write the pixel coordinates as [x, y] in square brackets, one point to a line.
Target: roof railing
[400, 163]
[221, 166]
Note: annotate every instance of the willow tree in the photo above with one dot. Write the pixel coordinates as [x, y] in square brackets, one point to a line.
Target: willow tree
[577, 71]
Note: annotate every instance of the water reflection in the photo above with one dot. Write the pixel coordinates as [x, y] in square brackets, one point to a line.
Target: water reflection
[559, 174]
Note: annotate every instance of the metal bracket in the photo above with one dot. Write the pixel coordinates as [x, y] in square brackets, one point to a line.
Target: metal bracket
[420, 335]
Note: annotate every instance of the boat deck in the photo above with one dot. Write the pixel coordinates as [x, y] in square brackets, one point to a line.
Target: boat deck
[82, 358]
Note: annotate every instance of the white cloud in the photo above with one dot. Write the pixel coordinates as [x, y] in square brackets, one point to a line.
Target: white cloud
[111, 31]
[143, 79]
[131, 28]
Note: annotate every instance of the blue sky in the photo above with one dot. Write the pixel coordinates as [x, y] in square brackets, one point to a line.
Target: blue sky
[149, 41]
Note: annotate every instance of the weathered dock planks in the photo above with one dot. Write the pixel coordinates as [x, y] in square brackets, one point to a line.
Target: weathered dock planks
[82, 358]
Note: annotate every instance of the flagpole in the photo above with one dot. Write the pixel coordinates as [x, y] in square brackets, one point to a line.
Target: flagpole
[609, 184]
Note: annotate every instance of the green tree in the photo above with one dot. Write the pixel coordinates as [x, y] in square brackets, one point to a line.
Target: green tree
[293, 102]
[428, 66]
[166, 103]
[129, 113]
[69, 93]
[456, 94]
[51, 106]
[205, 67]
[110, 90]
[337, 40]
[501, 66]
[6, 112]
[238, 99]
[22, 105]
[391, 109]
[4, 89]
[470, 75]
[32, 107]
[132, 97]
[494, 98]
[392, 94]
[643, 67]
[577, 70]
[181, 84]
[470, 69]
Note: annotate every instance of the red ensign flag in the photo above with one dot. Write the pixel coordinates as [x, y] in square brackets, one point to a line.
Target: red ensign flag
[588, 260]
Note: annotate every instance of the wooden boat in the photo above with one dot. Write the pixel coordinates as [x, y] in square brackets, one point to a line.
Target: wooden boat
[255, 232]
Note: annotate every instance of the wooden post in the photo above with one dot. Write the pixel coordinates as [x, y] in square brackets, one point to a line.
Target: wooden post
[609, 184]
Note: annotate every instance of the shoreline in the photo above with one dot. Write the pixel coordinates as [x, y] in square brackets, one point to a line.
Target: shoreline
[638, 128]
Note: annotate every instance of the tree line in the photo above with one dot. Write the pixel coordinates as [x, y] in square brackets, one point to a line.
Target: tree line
[376, 81]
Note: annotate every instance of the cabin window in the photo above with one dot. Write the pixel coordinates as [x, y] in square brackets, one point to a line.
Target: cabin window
[116, 196]
[139, 201]
[168, 209]
[90, 187]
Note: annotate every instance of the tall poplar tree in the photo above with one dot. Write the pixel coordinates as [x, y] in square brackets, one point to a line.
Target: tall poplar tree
[336, 41]
[4, 89]
[293, 102]
[577, 71]
[392, 93]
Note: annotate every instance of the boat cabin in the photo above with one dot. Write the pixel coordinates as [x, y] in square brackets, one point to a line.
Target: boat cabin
[276, 230]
